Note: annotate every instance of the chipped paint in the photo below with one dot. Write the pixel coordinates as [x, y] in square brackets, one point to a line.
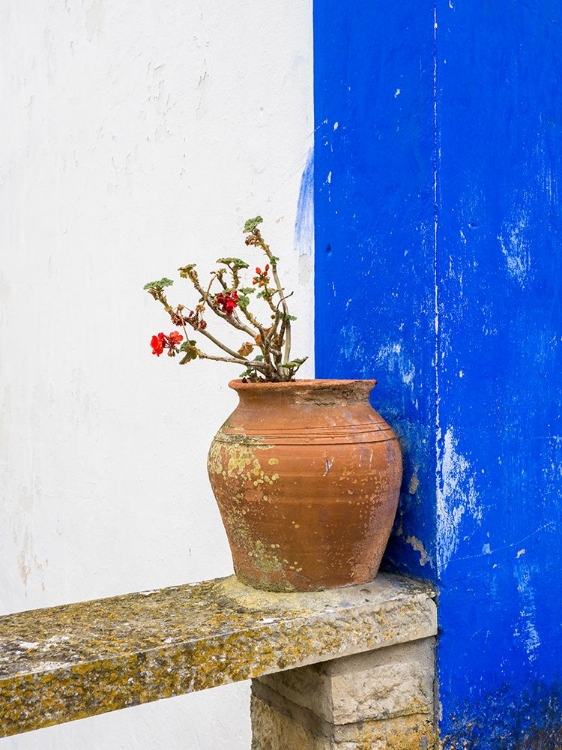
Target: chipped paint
[414, 543]
[515, 246]
[417, 545]
[351, 346]
[392, 357]
[456, 495]
[526, 628]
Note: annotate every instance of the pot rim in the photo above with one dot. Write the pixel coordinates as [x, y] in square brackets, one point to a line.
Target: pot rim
[314, 383]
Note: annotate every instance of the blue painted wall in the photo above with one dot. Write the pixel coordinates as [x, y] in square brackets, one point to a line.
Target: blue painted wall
[438, 163]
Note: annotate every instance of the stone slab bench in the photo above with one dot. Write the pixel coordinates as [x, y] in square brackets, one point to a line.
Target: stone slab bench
[370, 647]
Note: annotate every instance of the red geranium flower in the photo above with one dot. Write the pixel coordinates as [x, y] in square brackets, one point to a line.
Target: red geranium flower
[175, 338]
[228, 301]
[161, 342]
[157, 344]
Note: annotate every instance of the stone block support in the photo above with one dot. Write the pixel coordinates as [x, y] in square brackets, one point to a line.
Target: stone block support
[378, 699]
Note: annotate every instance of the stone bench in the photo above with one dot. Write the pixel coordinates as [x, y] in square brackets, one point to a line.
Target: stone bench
[349, 668]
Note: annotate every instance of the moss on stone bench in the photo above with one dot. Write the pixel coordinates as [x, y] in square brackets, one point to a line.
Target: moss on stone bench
[79, 660]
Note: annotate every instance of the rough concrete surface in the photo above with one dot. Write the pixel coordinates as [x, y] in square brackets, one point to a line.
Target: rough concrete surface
[392, 681]
[276, 730]
[83, 659]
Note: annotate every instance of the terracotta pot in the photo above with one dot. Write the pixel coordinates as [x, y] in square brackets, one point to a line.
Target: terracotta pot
[306, 475]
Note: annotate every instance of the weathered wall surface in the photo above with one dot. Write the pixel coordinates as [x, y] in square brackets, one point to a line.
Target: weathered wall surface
[499, 281]
[438, 162]
[136, 137]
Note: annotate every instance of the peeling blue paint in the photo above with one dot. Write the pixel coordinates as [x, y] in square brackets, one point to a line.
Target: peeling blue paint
[304, 222]
[439, 273]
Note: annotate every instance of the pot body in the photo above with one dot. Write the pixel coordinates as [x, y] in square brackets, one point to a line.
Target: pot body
[307, 476]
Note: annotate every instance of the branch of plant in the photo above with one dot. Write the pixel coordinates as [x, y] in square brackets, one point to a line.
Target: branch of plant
[206, 299]
[285, 330]
[234, 360]
[231, 303]
[216, 342]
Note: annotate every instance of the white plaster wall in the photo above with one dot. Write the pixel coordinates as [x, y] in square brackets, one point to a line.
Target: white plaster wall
[135, 137]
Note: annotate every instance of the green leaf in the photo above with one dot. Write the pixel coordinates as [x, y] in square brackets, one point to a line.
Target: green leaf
[251, 224]
[243, 301]
[247, 290]
[190, 349]
[189, 357]
[233, 262]
[250, 373]
[158, 284]
[184, 270]
[188, 346]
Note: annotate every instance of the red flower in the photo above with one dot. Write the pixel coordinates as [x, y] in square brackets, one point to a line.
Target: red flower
[175, 338]
[228, 301]
[161, 342]
[157, 344]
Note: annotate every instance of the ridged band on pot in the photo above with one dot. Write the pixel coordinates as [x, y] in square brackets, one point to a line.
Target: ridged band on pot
[307, 476]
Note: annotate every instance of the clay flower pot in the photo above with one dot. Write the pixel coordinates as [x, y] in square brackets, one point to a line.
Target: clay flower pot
[306, 475]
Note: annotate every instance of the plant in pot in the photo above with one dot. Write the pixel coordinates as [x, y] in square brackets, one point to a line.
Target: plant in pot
[306, 474]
